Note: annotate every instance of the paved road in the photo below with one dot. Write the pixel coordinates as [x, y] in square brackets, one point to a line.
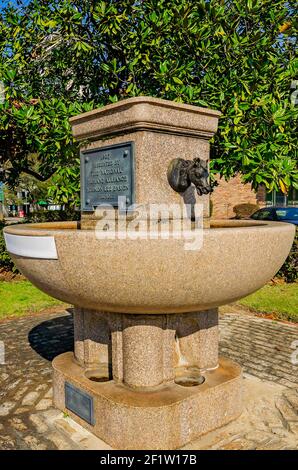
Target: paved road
[263, 347]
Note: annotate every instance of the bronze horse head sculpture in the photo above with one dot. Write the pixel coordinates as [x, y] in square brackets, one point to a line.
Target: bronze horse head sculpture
[182, 173]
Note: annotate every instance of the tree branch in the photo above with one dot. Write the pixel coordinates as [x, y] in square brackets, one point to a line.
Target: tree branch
[36, 175]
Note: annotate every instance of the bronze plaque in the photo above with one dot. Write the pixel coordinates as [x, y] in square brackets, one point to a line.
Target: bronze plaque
[107, 173]
[79, 402]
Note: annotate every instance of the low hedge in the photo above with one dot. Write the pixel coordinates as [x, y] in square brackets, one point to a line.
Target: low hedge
[245, 210]
[5, 260]
[289, 270]
[52, 216]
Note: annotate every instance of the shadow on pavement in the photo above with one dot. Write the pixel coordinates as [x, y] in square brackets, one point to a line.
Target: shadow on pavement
[53, 337]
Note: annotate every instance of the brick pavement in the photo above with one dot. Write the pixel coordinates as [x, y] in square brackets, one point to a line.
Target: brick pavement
[263, 347]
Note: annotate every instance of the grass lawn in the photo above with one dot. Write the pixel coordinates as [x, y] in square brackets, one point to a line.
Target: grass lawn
[279, 299]
[20, 297]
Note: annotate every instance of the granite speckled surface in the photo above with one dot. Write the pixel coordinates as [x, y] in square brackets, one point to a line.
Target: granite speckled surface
[157, 276]
[153, 153]
[145, 324]
[145, 112]
[160, 130]
[166, 418]
[145, 351]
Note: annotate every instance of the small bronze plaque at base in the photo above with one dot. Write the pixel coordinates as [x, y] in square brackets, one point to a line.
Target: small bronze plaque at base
[79, 402]
[107, 173]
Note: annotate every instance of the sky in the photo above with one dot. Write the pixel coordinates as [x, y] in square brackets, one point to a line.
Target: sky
[4, 3]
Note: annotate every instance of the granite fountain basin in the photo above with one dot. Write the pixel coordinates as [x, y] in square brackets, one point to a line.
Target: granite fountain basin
[145, 311]
[146, 324]
[151, 276]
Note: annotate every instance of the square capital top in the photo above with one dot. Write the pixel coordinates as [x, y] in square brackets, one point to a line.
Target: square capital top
[146, 114]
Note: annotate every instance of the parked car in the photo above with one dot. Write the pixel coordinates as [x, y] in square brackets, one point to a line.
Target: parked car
[279, 214]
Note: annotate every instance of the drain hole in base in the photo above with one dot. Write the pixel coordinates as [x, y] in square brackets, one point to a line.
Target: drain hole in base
[99, 379]
[97, 375]
[189, 377]
[190, 381]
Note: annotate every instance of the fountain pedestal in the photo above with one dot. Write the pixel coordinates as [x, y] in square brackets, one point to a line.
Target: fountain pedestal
[145, 372]
[154, 380]
[152, 376]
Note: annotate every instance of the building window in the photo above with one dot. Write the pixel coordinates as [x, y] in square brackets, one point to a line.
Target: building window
[293, 197]
[277, 198]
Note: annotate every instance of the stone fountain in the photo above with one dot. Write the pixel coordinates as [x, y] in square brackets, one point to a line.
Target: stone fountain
[145, 371]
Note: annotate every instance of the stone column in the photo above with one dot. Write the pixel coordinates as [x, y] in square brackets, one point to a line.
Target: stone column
[146, 351]
[79, 335]
[197, 339]
[143, 350]
[92, 341]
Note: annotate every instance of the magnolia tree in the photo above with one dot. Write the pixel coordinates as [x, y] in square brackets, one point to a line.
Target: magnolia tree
[60, 58]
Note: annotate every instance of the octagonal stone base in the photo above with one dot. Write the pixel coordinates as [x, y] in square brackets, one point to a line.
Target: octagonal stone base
[166, 417]
[147, 381]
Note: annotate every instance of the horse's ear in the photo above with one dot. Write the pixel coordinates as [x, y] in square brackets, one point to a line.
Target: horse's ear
[177, 175]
